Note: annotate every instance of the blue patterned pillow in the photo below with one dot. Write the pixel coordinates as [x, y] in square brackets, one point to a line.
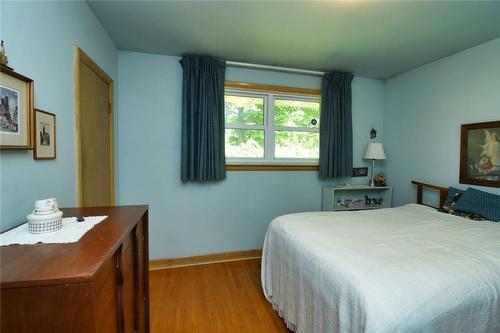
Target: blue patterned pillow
[450, 207]
[452, 192]
[481, 203]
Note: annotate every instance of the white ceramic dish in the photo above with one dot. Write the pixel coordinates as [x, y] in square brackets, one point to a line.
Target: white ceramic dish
[42, 223]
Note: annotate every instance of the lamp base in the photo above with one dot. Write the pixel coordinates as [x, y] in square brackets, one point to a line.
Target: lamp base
[372, 180]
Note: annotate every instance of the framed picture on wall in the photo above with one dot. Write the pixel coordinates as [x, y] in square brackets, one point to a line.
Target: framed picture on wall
[16, 110]
[360, 172]
[45, 136]
[480, 154]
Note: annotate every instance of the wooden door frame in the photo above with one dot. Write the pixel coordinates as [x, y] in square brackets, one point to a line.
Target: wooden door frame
[81, 56]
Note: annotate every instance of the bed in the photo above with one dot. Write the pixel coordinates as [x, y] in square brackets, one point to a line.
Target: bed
[405, 269]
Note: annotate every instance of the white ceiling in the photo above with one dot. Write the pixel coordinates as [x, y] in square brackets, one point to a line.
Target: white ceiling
[370, 38]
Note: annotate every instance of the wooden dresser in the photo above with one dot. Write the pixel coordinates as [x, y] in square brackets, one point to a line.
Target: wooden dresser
[98, 284]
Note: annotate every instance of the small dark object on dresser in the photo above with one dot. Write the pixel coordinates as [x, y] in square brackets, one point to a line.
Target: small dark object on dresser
[80, 219]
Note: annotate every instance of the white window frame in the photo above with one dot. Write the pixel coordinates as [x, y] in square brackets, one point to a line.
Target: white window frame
[269, 128]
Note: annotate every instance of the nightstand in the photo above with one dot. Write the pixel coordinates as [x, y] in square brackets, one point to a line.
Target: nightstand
[356, 197]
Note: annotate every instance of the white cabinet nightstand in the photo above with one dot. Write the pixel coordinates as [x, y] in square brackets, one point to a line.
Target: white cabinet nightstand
[356, 197]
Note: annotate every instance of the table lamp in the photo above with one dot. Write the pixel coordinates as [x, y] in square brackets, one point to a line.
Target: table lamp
[374, 151]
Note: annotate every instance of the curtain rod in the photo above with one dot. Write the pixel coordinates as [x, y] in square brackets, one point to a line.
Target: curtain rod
[274, 68]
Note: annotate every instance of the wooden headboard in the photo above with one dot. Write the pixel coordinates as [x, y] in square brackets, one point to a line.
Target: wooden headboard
[443, 192]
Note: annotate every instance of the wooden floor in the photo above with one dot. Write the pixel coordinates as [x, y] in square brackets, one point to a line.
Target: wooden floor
[225, 297]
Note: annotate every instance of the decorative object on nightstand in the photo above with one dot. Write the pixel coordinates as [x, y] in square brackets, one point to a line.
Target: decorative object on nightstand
[380, 179]
[356, 197]
[374, 151]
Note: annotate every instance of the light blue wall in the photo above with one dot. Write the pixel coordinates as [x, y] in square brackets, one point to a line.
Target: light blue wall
[424, 110]
[420, 126]
[191, 219]
[39, 39]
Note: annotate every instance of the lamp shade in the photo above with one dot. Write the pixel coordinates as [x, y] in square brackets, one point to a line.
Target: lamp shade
[375, 151]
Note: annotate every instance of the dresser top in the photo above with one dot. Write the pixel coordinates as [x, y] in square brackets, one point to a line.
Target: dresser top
[357, 187]
[49, 264]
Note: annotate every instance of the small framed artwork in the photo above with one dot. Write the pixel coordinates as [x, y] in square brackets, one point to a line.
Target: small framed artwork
[360, 172]
[45, 135]
[480, 154]
[16, 110]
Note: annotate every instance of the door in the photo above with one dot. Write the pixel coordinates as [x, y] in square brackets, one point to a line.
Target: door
[94, 133]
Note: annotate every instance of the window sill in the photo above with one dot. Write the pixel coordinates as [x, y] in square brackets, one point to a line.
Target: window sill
[270, 167]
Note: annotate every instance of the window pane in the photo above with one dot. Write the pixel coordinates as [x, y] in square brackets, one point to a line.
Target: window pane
[244, 110]
[296, 144]
[296, 113]
[244, 143]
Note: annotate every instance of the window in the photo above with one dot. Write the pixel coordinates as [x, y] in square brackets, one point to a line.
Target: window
[271, 127]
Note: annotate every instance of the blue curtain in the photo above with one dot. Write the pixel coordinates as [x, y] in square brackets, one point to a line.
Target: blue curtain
[335, 137]
[203, 157]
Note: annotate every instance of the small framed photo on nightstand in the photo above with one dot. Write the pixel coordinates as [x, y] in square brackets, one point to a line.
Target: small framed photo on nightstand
[360, 172]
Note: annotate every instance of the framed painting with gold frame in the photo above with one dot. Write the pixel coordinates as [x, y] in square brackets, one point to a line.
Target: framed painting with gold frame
[45, 136]
[16, 110]
[480, 154]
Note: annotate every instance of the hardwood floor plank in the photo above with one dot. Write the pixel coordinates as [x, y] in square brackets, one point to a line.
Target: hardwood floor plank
[216, 298]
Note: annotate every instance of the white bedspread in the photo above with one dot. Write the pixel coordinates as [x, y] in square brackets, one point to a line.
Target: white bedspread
[406, 269]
